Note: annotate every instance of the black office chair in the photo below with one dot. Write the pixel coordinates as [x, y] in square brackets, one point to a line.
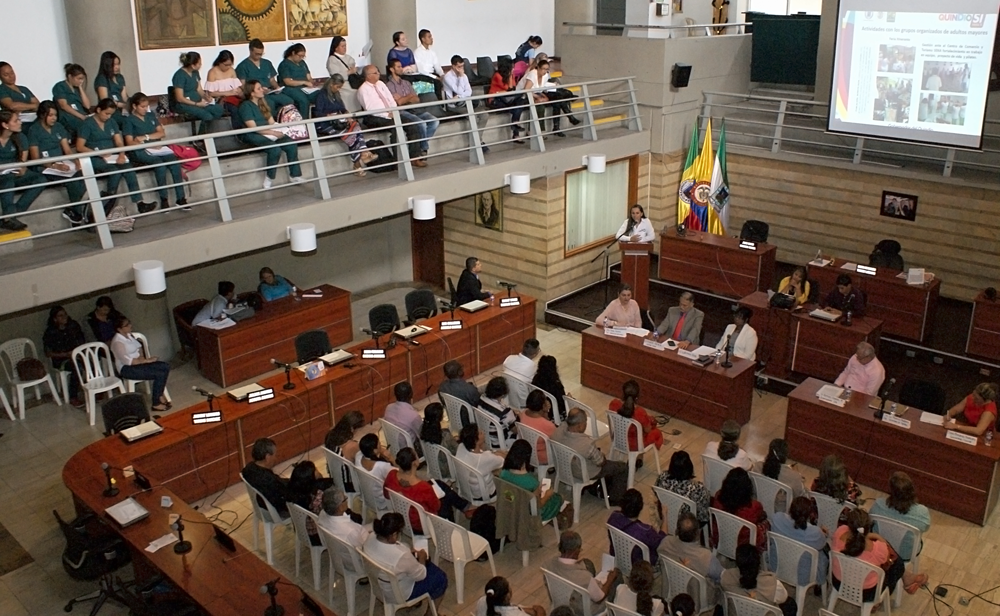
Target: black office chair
[472, 72]
[755, 231]
[924, 395]
[420, 304]
[92, 557]
[155, 598]
[814, 296]
[484, 68]
[311, 344]
[886, 254]
[383, 319]
[187, 334]
[122, 412]
[452, 292]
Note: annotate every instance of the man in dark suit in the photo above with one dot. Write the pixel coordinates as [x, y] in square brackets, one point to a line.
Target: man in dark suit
[683, 322]
[469, 286]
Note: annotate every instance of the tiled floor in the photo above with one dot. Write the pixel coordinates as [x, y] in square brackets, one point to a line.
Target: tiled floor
[33, 452]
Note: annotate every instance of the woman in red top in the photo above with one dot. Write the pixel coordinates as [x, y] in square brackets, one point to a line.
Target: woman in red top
[736, 497]
[406, 482]
[626, 407]
[503, 82]
[979, 410]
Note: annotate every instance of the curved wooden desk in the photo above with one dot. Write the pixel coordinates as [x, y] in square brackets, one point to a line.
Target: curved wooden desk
[188, 462]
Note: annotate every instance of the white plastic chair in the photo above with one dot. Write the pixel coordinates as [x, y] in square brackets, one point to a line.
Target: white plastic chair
[620, 426]
[434, 454]
[299, 516]
[852, 584]
[553, 403]
[714, 471]
[6, 404]
[786, 554]
[490, 425]
[532, 507]
[745, 606]
[677, 579]
[674, 504]
[617, 610]
[517, 391]
[131, 384]
[565, 460]
[624, 544]
[895, 532]
[385, 588]
[595, 427]
[340, 468]
[461, 547]
[823, 612]
[453, 408]
[346, 560]
[372, 495]
[561, 592]
[729, 527]
[264, 514]
[768, 489]
[534, 437]
[402, 506]
[14, 351]
[829, 509]
[93, 365]
[466, 474]
[394, 435]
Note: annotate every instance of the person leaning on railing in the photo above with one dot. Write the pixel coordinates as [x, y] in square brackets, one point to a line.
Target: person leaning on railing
[14, 149]
[47, 138]
[255, 112]
[189, 96]
[142, 127]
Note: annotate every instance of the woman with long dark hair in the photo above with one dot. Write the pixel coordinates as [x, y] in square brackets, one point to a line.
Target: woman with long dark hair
[629, 408]
[330, 104]
[748, 580]
[431, 430]
[637, 592]
[799, 524]
[222, 81]
[902, 505]
[71, 96]
[143, 127]
[547, 378]
[110, 83]
[47, 138]
[679, 479]
[62, 335]
[517, 470]
[736, 497]
[131, 363]
[775, 466]
[190, 97]
[256, 112]
[294, 76]
[503, 85]
[405, 481]
[305, 489]
[536, 415]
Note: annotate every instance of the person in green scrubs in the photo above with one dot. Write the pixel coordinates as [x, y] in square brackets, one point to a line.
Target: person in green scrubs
[189, 95]
[100, 132]
[110, 83]
[255, 112]
[293, 74]
[256, 66]
[141, 127]
[71, 96]
[12, 96]
[14, 149]
[49, 139]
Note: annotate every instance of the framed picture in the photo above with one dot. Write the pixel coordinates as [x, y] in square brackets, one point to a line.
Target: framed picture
[489, 209]
[244, 20]
[173, 24]
[309, 19]
[898, 205]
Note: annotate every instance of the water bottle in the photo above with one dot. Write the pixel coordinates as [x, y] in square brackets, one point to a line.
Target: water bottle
[718, 357]
[295, 294]
[849, 392]
[493, 299]
[894, 408]
[605, 322]
[989, 437]
[656, 335]
[848, 319]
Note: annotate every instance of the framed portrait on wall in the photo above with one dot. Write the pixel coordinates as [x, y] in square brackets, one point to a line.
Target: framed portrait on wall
[175, 24]
[489, 209]
[244, 20]
[898, 205]
[310, 19]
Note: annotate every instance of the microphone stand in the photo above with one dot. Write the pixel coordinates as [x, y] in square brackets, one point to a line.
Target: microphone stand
[274, 609]
[607, 272]
[727, 363]
[111, 490]
[182, 546]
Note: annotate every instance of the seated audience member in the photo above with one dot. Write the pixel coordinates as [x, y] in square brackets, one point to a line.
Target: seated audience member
[342, 441]
[685, 549]
[978, 411]
[339, 62]
[102, 319]
[527, 50]
[416, 576]
[728, 449]
[775, 467]
[305, 489]
[628, 408]
[581, 572]
[47, 138]
[844, 298]
[62, 335]
[295, 78]
[748, 580]
[536, 416]
[497, 601]
[14, 97]
[259, 473]
[517, 470]
[255, 112]
[504, 85]
[627, 520]
[272, 286]
[405, 481]
[739, 339]
[329, 104]
[335, 519]
[110, 83]
[683, 322]
[14, 149]
[636, 228]
[522, 368]
[736, 496]
[470, 288]
[855, 538]
[258, 68]
[621, 312]
[454, 384]
[431, 430]
[374, 95]
[679, 479]
[142, 126]
[796, 285]
[222, 81]
[456, 82]
[864, 372]
[402, 414]
[71, 96]
[636, 594]
[402, 53]
[470, 451]
[547, 378]
[190, 97]
[798, 524]
[573, 434]
[902, 505]
[833, 481]
[536, 78]
[681, 605]
[494, 402]
[100, 132]
[377, 461]
[427, 62]
[216, 309]
[131, 363]
[403, 94]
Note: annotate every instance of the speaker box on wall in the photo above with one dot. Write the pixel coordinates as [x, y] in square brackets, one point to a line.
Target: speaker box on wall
[680, 75]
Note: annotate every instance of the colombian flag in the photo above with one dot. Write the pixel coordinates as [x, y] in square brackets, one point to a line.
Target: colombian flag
[696, 183]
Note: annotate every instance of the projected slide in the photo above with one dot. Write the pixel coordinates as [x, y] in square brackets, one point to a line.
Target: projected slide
[906, 70]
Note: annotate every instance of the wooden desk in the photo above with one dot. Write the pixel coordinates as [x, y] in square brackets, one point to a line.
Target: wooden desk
[958, 479]
[703, 395]
[715, 263]
[188, 462]
[241, 352]
[984, 330]
[906, 310]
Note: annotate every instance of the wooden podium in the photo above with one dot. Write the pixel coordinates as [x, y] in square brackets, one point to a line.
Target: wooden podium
[635, 270]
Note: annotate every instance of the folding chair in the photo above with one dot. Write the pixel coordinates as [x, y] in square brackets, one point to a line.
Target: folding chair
[595, 427]
[829, 510]
[728, 528]
[677, 579]
[13, 351]
[454, 408]
[906, 539]
[345, 559]
[852, 584]
[434, 455]
[536, 438]
[768, 490]
[576, 480]
[460, 546]
[786, 556]
[385, 588]
[562, 592]
[624, 545]
[372, 495]
[715, 471]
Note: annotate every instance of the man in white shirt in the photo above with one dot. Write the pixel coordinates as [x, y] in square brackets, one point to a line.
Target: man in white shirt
[456, 82]
[522, 367]
[424, 56]
[470, 451]
[335, 519]
[216, 309]
[864, 372]
[374, 95]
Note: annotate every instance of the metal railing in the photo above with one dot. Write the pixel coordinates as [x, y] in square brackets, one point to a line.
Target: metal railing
[619, 106]
[798, 126]
[626, 29]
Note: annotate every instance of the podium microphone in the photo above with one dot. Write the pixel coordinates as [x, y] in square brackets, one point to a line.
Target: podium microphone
[182, 546]
[271, 588]
[111, 490]
[288, 373]
[885, 398]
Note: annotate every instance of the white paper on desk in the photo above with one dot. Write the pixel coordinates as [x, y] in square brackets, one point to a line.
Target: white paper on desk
[160, 151]
[931, 418]
[162, 542]
[310, 90]
[420, 543]
[638, 331]
[853, 267]
[213, 324]
[705, 350]
[59, 172]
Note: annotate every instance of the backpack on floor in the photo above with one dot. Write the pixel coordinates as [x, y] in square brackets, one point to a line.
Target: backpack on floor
[118, 219]
[385, 160]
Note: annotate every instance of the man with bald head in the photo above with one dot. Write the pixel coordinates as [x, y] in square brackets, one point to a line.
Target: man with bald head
[374, 95]
[573, 434]
[864, 372]
[683, 322]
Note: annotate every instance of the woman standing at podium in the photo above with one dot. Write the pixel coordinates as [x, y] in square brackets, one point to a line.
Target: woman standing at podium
[636, 227]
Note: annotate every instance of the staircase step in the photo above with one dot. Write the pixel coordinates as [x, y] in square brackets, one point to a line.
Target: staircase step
[614, 118]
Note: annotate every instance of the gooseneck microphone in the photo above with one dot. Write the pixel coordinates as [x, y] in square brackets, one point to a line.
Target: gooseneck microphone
[373, 334]
[288, 373]
[884, 394]
[271, 588]
[510, 286]
[111, 490]
[182, 546]
[203, 392]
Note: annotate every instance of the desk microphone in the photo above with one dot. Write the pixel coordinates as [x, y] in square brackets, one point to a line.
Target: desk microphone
[182, 546]
[288, 373]
[449, 306]
[727, 363]
[271, 588]
[201, 391]
[111, 490]
[510, 286]
[374, 334]
[885, 398]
